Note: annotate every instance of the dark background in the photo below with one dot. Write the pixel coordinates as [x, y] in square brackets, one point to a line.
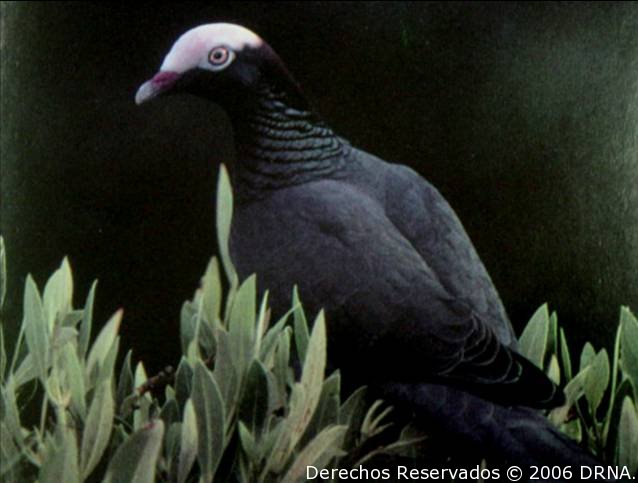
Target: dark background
[524, 115]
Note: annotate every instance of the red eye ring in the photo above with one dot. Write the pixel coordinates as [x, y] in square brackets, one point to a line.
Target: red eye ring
[218, 56]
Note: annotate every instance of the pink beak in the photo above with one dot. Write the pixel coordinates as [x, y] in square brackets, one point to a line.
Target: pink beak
[159, 84]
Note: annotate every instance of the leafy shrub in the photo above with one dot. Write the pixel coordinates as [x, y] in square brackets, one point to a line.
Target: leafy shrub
[235, 409]
[600, 410]
[231, 411]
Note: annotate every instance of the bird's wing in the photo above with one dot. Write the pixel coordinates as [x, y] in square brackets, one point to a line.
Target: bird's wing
[428, 222]
[392, 314]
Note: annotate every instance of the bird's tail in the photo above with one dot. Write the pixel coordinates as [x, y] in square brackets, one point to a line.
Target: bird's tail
[515, 434]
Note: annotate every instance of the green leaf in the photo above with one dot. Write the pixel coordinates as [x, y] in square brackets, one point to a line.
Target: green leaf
[10, 412]
[372, 422]
[565, 356]
[534, 338]
[612, 424]
[141, 416]
[300, 326]
[63, 336]
[142, 412]
[75, 378]
[629, 346]
[26, 371]
[61, 462]
[87, 323]
[140, 375]
[314, 364]
[271, 339]
[277, 400]
[125, 384]
[58, 294]
[169, 460]
[573, 429]
[284, 444]
[193, 352]
[327, 442]
[183, 381]
[573, 391]
[408, 440]
[36, 329]
[351, 414]
[281, 368]
[553, 371]
[20, 352]
[224, 218]
[263, 319]
[206, 339]
[209, 412]
[405, 446]
[102, 346]
[267, 442]
[552, 334]
[3, 354]
[628, 436]
[305, 396]
[55, 391]
[121, 433]
[254, 406]
[242, 470]
[188, 324]
[597, 380]
[170, 412]
[247, 442]
[613, 392]
[327, 412]
[3, 272]
[226, 374]
[135, 460]
[72, 318]
[587, 355]
[398, 447]
[10, 454]
[99, 424]
[188, 448]
[212, 291]
[107, 366]
[242, 324]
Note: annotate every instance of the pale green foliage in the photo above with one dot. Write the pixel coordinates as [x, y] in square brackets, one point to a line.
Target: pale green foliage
[234, 411]
[600, 411]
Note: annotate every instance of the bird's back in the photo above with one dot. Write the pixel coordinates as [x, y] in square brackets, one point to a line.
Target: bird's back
[421, 214]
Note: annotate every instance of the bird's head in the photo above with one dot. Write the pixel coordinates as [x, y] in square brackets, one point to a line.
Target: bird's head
[225, 63]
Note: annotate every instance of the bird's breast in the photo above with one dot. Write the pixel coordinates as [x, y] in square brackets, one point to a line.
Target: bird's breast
[313, 236]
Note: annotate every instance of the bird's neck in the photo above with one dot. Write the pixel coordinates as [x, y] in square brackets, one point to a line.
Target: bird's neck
[279, 145]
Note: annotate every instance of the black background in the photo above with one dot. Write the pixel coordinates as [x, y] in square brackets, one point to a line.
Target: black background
[524, 115]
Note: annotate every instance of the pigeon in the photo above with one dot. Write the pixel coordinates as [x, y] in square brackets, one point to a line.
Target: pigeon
[411, 310]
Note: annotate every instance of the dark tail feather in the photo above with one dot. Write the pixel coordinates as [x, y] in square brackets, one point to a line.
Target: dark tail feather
[518, 435]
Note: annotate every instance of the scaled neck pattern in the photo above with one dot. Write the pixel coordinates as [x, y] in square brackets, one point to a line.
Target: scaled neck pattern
[280, 145]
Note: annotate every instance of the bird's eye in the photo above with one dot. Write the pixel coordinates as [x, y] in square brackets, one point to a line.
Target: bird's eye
[219, 57]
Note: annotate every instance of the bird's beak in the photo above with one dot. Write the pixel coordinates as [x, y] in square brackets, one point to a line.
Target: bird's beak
[161, 83]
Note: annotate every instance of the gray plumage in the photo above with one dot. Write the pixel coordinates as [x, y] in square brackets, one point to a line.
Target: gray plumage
[411, 309]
